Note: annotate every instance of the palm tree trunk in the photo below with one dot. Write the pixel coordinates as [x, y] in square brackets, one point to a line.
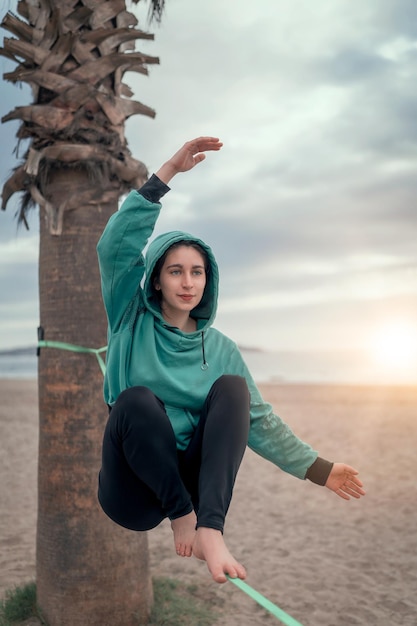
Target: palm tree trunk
[74, 55]
[89, 571]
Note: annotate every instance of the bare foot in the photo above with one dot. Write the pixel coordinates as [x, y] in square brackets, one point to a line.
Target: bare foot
[184, 533]
[209, 546]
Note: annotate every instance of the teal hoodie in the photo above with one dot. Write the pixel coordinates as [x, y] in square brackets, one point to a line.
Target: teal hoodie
[179, 367]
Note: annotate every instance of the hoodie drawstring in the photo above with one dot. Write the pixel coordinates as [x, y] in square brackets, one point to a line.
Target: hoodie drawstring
[204, 365]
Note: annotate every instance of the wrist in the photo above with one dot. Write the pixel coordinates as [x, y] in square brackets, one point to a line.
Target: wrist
[166, 172]
[319, 471]
[154, 189]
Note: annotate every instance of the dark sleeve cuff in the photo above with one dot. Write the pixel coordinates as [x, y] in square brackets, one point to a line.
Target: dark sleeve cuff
[153, 189]
[319, 472]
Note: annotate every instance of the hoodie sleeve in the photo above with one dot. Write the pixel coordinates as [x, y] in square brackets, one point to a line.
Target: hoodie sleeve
[273, 439]
[120, 253]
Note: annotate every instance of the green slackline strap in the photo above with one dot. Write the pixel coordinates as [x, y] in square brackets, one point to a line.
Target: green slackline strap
[265, 603]
[69, 346]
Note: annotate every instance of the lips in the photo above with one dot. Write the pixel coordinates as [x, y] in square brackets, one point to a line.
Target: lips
[186, 297]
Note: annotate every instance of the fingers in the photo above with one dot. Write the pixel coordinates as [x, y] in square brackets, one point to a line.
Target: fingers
[342, 494]
[344, 481]
[203, 144]
[346, 493]
[199, 157]
[353, 492]
[358, 483]
[352, 487]
[357, 492]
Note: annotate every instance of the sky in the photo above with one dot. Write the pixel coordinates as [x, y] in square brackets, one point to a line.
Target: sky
[310, 207]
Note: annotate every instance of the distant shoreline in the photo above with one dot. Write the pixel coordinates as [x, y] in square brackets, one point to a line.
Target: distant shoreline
[31, 350]
[265, 385]
[280, 367]
[27, 351]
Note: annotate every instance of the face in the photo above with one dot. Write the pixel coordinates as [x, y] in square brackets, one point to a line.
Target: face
[181, 282]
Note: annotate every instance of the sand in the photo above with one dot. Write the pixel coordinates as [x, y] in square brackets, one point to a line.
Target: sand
[324, 561]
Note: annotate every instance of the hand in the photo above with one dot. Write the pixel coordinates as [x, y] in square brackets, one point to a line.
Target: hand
[344, 482]
[188, 157]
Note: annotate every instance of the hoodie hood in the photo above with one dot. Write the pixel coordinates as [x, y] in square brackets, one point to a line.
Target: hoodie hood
[205, 311]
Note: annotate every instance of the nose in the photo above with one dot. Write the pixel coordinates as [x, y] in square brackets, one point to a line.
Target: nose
[187, 280]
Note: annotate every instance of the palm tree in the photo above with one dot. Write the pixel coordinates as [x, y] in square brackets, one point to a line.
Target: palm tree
[74, 54]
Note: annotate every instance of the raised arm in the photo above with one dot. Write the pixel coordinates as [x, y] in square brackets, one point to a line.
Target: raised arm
[128, 230]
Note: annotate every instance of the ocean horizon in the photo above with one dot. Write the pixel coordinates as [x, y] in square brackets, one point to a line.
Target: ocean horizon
[331, 367]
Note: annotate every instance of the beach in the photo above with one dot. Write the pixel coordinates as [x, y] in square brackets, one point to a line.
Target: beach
[324, 561]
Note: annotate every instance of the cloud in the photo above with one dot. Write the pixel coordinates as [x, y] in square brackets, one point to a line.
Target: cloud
[19, 251]
[351, 65]
[310, 205]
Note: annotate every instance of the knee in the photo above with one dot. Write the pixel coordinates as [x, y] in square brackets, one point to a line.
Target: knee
[234, 386]
[138, 399]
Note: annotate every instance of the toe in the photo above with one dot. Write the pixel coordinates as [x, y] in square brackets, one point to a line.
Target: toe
[220, 577]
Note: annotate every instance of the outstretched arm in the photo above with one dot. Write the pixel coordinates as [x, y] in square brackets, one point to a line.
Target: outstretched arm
[187, 157]
[344, 482]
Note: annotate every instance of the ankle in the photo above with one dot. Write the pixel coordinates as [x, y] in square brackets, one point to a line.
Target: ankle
[209, 529]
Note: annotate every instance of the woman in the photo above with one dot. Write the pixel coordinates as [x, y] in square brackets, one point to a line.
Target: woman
[183, 405]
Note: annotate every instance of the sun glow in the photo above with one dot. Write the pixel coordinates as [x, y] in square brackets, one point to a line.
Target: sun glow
[394, 345]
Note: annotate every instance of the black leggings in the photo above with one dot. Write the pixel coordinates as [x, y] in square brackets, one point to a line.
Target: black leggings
[144, 478]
